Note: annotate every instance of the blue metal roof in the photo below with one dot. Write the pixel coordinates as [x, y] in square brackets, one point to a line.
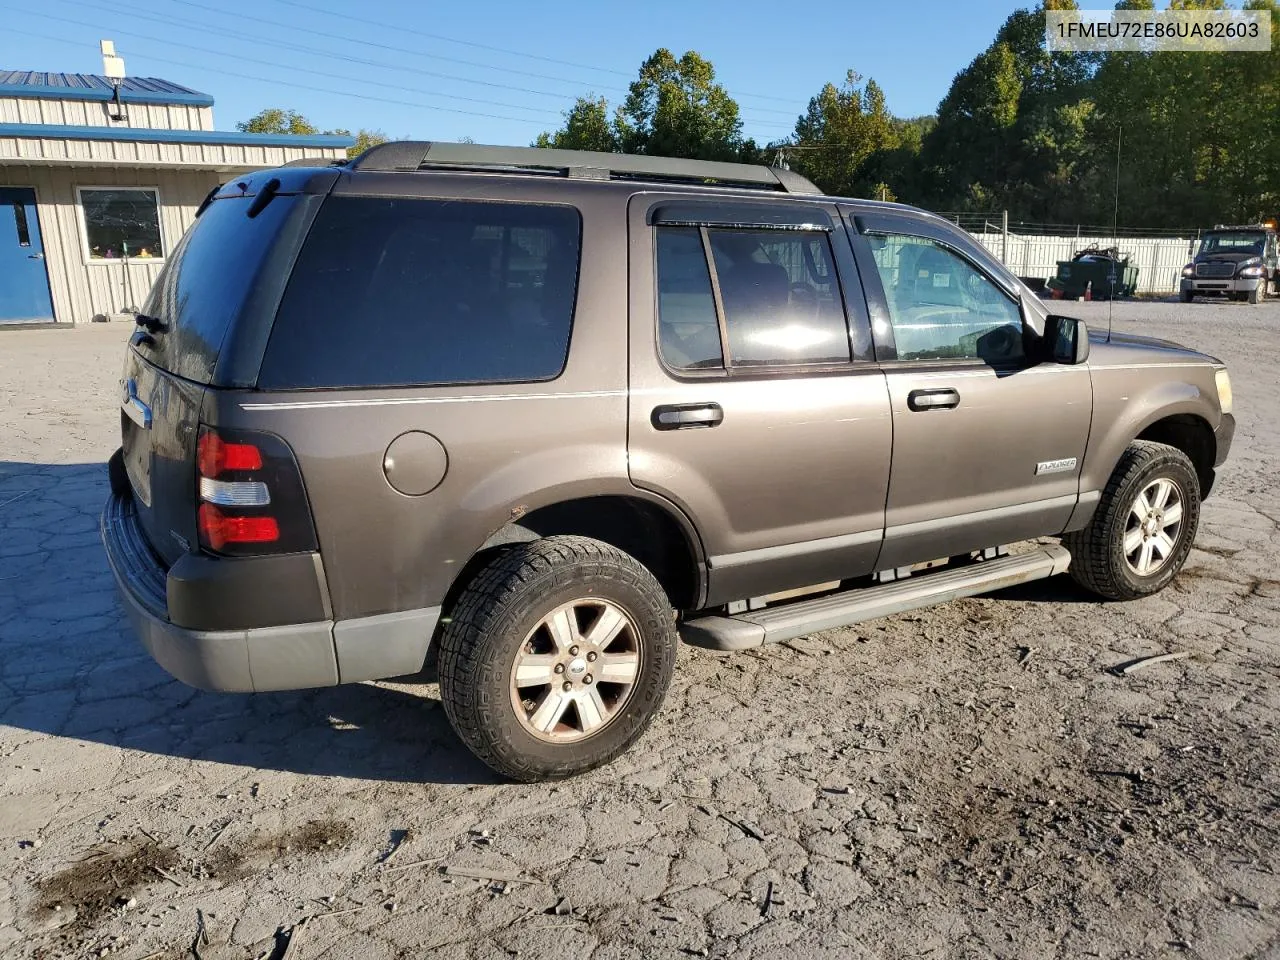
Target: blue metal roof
[146, 135]
[88, 86]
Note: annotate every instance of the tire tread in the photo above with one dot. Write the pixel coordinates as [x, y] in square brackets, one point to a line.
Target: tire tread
[1091, 547]
[510, 574]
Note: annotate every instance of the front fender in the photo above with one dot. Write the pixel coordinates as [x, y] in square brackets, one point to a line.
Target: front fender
[1129, 400]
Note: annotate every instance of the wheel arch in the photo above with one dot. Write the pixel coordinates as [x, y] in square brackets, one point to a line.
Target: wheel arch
[653, 531]
[1191, 434]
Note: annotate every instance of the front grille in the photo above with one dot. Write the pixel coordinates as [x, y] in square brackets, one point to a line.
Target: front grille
[1213, 269]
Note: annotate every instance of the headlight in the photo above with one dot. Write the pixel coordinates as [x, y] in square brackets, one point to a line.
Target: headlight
[1189, 270]
[1252, 272]
[1223, 382]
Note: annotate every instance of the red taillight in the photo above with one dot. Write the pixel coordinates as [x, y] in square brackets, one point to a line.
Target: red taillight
[217, 529]
[213, 455]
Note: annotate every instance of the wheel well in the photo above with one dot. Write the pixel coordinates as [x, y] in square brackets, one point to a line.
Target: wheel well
[1194, 437]
[645, 531]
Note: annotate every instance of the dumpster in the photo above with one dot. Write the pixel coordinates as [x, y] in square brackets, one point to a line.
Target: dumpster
[1094, 268]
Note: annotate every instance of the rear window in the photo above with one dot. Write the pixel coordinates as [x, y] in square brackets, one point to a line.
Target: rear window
[205, 282]
[399, 292]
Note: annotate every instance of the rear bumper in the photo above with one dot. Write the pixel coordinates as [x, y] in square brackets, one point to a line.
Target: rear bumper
[1207, 285]
[280, 657]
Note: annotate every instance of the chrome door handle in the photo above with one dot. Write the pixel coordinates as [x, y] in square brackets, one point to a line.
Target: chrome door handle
[683, 416]
[35, 256]
[946, 398]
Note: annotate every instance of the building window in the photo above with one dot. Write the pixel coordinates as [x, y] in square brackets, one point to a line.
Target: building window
[121, 222]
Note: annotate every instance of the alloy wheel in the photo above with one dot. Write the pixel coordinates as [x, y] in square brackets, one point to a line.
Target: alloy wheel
[1154, 523]
[575, 670]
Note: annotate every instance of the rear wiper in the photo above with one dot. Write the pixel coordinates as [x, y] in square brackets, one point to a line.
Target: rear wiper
[152, 324]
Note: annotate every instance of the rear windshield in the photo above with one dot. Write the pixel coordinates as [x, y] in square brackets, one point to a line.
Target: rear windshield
[399, 292]
[205, 282]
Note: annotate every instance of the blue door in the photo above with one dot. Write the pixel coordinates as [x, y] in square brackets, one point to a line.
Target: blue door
[24, 283]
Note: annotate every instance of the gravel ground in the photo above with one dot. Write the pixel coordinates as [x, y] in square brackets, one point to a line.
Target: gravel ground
[966, 781]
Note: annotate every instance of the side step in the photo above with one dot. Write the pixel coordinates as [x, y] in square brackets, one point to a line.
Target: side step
[772, 625]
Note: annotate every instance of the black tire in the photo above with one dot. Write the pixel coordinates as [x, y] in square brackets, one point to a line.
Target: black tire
[1258, 293]
[489, 627]
[117, 476]
[1098, 560]
[1186, 296]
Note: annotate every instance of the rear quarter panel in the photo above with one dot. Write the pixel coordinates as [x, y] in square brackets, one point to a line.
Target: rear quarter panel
[511, 448]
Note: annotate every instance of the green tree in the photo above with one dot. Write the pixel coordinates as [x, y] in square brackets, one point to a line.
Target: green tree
[364, 139]
[838, 134]
[276, 120]
[676, 109]
[587, 127]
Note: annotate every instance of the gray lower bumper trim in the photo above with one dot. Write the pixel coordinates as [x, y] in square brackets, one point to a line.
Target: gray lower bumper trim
[241, 661]
[388, 645]
[290, 657]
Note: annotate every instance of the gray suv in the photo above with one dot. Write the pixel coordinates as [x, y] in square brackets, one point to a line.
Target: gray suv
[527, 417]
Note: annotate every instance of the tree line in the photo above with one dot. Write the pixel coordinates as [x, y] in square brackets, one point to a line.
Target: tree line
[1020, 129]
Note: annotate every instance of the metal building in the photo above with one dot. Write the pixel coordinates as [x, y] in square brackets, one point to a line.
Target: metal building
[99, 178]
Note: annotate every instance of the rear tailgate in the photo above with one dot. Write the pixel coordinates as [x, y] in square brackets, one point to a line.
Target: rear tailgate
[159, 416]
[204, 326]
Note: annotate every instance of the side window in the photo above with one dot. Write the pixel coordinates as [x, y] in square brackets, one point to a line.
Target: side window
[780, 296]
[941, 306]
[399, 292]
[688, 331]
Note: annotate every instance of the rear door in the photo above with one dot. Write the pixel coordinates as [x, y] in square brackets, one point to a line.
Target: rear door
[219, 277]
[24, 280]
[987, 446]
[755, 404]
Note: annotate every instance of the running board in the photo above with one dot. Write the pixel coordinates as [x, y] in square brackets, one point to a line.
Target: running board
[753, 628]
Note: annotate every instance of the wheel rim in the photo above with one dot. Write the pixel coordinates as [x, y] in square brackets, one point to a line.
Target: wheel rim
[1153, 527]
[575, 670]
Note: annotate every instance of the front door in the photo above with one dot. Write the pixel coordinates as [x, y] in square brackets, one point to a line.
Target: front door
[987, 446]
[24, 282]
[755, 405]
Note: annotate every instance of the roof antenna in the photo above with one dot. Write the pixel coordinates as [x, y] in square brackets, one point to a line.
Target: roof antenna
[113, 69]
[1115, 230]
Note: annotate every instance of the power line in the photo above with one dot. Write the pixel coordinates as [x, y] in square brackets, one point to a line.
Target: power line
[401, 28]
[285, 83]
[316, 51]
[394, 49]
[298, 86]
[347, 58]
[322, 73]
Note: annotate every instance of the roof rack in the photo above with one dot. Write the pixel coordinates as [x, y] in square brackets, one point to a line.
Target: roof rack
[1242, 226]
[576, 164]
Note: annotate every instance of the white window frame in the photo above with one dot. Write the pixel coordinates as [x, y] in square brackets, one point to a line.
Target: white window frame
[86, 254]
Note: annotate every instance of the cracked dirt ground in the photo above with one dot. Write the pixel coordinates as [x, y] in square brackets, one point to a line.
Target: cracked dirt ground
[966, 781]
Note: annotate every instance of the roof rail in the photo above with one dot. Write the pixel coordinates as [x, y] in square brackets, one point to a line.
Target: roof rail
[576, 164]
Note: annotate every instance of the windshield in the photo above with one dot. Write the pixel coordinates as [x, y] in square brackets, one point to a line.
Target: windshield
[1240, 241]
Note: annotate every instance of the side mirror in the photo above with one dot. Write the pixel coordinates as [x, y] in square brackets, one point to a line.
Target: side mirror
[1066, 340]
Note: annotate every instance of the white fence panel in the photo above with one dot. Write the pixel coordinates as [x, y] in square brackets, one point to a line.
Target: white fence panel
[1159, 259]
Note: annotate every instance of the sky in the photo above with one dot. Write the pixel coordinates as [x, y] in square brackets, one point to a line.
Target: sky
[501, 72]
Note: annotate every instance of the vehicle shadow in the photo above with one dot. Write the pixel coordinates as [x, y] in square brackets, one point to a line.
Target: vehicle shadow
[1057, 590]
[70, 665]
